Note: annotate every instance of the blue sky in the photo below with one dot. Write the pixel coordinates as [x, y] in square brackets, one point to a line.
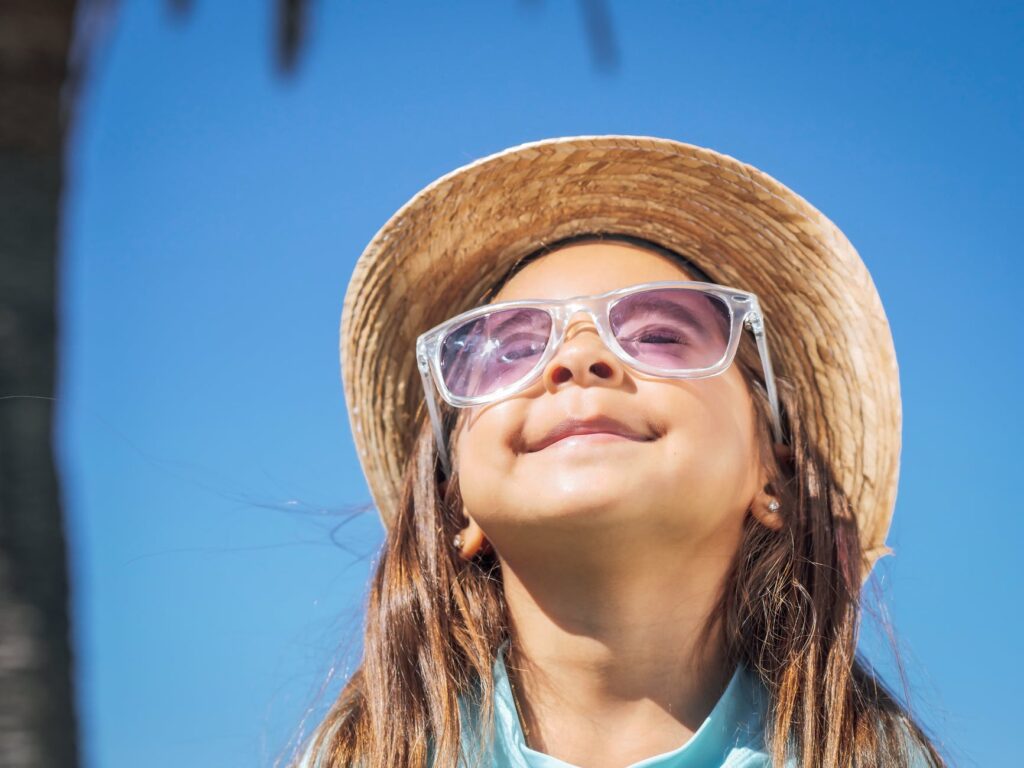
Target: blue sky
[215, 211]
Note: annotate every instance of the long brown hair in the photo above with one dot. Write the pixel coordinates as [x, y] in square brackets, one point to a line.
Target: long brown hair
[789, 609]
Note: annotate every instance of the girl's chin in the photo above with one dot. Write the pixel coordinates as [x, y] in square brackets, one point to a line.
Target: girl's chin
[570, 477]
[588, 507]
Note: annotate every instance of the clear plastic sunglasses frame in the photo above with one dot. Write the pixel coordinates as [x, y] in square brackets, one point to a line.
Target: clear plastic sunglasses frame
[744, 312]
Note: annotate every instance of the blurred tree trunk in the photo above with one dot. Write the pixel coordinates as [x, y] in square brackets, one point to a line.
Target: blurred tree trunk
[37, 714]
[38, 77]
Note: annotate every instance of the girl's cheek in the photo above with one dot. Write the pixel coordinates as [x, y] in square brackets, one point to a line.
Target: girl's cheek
[474, 447]
[484, 461]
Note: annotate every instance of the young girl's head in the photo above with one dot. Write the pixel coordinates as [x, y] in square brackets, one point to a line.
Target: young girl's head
[695, 457]
[755, 481]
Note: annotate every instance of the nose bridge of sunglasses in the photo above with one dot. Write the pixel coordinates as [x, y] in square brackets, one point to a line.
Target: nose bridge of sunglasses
[582, 326]
[580, 319]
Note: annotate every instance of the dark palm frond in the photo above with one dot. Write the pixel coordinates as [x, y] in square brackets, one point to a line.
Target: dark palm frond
[600, 32]
[292, 25]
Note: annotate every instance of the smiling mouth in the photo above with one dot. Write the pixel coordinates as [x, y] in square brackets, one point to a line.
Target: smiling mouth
[592, 431]
[594, 438]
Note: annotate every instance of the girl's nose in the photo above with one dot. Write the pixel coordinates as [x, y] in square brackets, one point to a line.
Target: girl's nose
[583, 358]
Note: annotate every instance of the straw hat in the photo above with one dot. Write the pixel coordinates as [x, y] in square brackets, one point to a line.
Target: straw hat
[440, 253]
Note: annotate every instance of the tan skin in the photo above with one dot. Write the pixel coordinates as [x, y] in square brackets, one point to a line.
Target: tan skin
[612, 550]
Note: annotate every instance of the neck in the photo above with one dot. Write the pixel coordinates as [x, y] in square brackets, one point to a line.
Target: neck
[610, 662]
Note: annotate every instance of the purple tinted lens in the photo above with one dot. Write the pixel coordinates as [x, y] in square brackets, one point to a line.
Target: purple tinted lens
[490, 352]
[672, 328]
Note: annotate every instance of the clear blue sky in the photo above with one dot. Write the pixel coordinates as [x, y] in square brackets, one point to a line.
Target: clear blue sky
[215, 212]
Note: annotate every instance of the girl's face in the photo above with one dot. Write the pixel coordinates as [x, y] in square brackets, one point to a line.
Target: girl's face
[691, 481]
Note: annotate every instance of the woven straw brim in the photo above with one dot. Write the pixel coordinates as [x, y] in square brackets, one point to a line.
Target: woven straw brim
[441, 252]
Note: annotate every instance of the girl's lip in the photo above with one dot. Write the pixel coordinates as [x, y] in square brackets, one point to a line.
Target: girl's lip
[586, 438]
[594, 425]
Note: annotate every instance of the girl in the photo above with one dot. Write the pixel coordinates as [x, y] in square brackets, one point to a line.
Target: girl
[630, 412]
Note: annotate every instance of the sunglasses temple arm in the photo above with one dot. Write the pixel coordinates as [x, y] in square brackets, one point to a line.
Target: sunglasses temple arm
[435, 419]
[757, 327]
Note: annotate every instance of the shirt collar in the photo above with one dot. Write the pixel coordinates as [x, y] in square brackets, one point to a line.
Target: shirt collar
[730, 735]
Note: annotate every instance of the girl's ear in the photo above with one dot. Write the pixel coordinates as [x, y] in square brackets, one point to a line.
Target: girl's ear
[766, 506]
[470, 541]
[767, 509]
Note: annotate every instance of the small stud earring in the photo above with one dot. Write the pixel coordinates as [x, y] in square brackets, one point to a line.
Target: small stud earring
[773, 505]
[457, 541]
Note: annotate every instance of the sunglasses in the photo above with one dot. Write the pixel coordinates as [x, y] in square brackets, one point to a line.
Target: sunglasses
[669, 329]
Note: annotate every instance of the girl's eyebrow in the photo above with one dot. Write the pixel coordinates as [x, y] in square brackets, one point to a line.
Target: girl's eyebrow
[672, 309]
[679, 313]
[514, 318]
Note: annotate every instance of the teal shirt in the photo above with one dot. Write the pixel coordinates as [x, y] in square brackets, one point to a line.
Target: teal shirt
[731, 736]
